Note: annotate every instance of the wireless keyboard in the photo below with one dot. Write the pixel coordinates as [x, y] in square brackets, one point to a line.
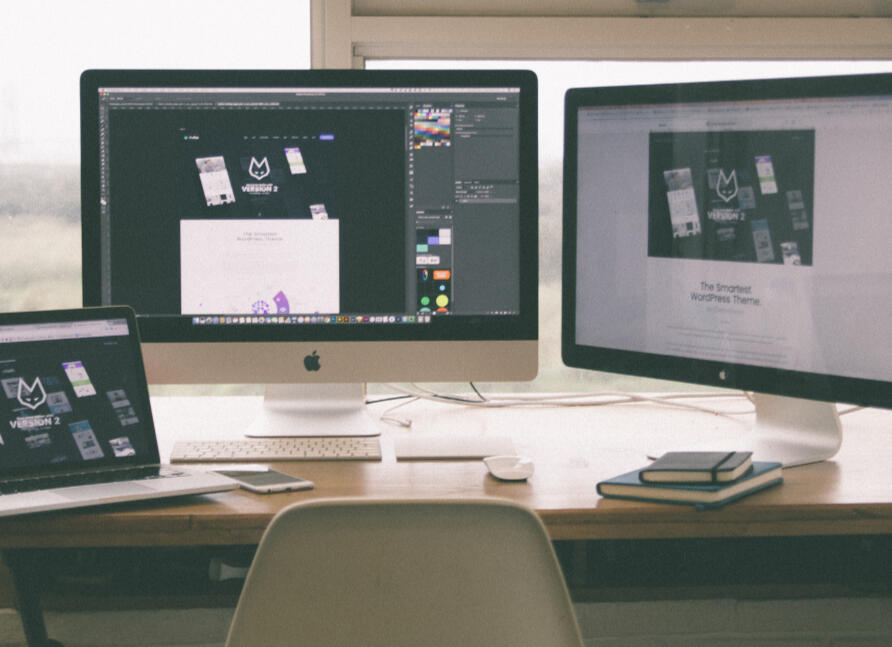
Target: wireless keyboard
[350, 448]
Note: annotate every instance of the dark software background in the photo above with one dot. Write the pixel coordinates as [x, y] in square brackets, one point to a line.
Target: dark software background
[108, 368]
[793, 155]
[154, 183]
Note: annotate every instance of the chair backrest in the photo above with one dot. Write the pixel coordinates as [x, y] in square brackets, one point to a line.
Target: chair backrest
[333, 573]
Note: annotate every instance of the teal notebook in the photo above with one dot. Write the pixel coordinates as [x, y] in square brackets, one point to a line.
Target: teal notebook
[708, 495]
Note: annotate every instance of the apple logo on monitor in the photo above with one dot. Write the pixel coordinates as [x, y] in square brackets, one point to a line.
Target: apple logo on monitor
[311, 362]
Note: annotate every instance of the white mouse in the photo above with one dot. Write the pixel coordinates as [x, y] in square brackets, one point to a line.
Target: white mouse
[509, 468]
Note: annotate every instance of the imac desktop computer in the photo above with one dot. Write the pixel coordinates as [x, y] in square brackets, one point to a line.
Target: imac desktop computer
[736, 234]
[315, 230]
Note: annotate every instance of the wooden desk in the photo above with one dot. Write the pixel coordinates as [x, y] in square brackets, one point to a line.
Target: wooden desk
[573, 448]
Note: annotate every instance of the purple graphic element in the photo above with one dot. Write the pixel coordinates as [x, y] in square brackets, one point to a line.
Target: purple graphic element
[282, 306]
[260, 308]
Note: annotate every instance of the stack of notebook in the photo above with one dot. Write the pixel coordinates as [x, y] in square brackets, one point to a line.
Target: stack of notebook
[703, 479]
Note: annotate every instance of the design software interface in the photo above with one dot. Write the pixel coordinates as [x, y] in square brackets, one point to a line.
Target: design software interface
[240, 206]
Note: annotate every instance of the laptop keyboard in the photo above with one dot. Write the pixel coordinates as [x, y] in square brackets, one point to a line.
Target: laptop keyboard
[86, 478]
[350, 448]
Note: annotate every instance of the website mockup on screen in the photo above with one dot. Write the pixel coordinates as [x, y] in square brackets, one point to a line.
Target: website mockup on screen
[753, 232]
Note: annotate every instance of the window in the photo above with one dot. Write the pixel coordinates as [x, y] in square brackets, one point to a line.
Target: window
[45, 45]
[39, 180]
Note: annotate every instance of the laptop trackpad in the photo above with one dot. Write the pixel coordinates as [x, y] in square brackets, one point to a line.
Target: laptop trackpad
[105, 490]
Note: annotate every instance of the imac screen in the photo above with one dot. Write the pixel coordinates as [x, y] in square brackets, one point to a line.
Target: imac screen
[315, 226]
[734, 234]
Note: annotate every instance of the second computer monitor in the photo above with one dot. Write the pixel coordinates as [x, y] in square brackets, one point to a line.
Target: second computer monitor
[735, 234]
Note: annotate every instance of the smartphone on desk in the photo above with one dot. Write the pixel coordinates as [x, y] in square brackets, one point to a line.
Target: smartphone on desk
[267, 481]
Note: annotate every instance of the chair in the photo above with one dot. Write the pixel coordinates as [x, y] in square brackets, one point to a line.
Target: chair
[457, 573]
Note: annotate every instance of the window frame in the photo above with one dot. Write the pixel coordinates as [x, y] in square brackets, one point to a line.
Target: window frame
[346, 33]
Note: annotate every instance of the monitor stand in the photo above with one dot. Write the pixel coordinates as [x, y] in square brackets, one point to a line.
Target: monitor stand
[790, 431]
[302, 410]
[794, 431]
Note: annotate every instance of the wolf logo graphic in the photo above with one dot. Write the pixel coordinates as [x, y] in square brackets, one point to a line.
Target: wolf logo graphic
[726, 185]
[31, 396]
[258, 170]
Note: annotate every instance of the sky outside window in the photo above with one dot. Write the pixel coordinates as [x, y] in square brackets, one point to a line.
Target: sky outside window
[46, 44]
[44, 47]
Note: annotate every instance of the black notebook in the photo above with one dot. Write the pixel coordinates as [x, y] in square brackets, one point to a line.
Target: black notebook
[697, 467]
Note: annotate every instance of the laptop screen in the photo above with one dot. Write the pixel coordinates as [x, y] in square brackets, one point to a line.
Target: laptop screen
[72, 392]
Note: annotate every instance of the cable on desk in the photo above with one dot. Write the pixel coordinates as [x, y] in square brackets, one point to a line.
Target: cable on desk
[416, 392]
[599, 398]
[410, 397]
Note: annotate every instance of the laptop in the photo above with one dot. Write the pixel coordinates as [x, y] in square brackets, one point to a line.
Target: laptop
[75, 419]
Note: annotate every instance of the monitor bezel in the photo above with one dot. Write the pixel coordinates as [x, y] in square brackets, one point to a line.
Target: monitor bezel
[177, 329]
[800, 384]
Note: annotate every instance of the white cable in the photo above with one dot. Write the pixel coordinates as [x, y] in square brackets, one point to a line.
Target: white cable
[592, 399]
[601, 398]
